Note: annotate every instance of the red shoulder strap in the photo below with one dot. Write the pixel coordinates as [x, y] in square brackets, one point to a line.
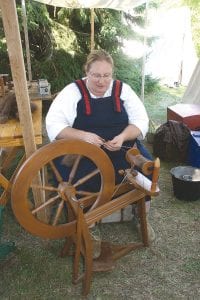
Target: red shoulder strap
[85, 94]
[116, 92]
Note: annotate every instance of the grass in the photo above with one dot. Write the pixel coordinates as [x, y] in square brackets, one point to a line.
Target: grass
[157, 102]
[168, 269]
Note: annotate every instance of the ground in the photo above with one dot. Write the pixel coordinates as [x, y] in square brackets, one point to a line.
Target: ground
[168, 269]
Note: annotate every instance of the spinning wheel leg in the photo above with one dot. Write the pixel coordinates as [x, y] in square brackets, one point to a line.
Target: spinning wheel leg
[69, 242]
[84, 245]
[67, 249]
[143, 221]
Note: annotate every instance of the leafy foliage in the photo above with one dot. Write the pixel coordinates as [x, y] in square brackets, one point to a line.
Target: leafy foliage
[59, 41]
[195, 12]
[70, 65]
[37, 15]
[4, 61]
[129, 70]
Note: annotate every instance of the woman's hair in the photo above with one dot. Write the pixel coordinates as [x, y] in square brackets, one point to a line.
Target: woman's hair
[98, 55]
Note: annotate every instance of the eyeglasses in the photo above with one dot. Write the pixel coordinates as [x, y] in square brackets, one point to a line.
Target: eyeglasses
[98, 76]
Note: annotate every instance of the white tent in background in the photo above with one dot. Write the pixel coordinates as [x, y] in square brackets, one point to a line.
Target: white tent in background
[173, 57]
[192, 93]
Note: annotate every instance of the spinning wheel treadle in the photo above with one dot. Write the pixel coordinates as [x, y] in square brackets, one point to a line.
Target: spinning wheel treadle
[53, 217]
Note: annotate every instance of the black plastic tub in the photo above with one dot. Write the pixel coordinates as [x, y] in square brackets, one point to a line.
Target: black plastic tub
[186, 183]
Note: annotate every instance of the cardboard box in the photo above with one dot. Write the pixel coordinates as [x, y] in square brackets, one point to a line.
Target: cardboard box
[189, 114]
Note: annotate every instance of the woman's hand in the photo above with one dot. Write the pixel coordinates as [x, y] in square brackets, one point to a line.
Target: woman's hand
[115, 144]
[130, 133]
[92, 138]
[69, 133]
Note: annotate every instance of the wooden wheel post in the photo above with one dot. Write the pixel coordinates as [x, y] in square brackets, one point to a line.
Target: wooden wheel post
[12, 33]
[11, 28]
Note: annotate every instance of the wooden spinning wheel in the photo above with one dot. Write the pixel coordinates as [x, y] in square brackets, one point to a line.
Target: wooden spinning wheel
[51, 217]
[67, 209]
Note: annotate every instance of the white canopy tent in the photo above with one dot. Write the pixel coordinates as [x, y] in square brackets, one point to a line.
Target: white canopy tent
[192, 93]
[114, 4]
[172, 57]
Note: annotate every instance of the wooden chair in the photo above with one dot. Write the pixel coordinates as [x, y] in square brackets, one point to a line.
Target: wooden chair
[71, 211]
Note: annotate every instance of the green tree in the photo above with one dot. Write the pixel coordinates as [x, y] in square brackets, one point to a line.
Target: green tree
[59, 40]
[195, 13]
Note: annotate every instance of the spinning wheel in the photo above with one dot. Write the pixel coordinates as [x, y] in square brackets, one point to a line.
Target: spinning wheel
[66, 208]
[52, 217]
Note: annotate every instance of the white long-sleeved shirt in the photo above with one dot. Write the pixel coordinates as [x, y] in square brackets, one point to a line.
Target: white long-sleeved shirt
[63, 110]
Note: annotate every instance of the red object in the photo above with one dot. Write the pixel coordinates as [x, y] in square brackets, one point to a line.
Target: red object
[117, 95]
[189, 114]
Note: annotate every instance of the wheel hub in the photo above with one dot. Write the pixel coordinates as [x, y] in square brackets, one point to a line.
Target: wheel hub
[65, 190]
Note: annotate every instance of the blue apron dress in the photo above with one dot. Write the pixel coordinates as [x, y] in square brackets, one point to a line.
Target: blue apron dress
[107, 118]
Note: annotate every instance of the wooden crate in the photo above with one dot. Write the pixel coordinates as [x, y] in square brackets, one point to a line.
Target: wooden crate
[189, 114]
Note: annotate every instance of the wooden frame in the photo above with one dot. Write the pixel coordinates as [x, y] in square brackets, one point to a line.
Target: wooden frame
[81, 208]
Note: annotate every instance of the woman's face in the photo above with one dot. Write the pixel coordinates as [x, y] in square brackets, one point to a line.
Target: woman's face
[99, 77]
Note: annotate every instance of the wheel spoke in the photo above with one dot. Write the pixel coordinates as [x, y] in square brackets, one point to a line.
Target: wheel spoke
[44, 180]
[89, 200]
[51, 200]
[45, 187]
[74, 168]
[57, 174]
[58, 213]
[84, 193]
[89, 196]
[87, 177]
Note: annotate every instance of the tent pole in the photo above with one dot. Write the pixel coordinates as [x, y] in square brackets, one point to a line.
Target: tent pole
[144, 55]
[92, 28]
[11, 29]
[28, 58]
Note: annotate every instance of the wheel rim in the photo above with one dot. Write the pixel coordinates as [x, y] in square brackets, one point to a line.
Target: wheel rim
[55, 225]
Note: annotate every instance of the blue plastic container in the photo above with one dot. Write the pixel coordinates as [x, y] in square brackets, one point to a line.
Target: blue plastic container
[194, 149]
